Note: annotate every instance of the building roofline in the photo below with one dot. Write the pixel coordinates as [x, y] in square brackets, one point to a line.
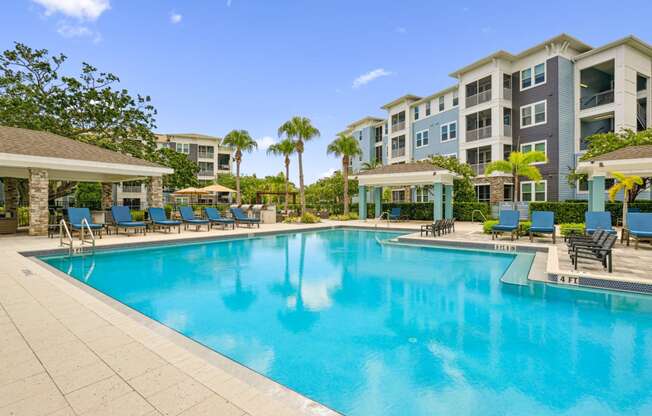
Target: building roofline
[406, 97]
[363, 120]
[630, 40]
[436, 94]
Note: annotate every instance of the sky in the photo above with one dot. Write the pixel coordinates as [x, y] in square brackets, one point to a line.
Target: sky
[211, 66]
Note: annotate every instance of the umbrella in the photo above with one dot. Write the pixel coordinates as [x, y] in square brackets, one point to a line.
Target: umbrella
[217, 188]
[190, 191]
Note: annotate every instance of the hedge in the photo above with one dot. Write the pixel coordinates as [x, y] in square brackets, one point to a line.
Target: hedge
[573, 212]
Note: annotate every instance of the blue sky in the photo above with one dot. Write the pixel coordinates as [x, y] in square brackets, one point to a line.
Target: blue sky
[215, 65]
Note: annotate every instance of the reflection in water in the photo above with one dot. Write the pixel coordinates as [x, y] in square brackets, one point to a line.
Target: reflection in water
[381, 330]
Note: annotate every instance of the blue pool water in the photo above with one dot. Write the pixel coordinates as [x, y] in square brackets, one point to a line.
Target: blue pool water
[375, 330]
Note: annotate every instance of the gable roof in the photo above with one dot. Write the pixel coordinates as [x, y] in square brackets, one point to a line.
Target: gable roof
[406, 97]
[625, 153]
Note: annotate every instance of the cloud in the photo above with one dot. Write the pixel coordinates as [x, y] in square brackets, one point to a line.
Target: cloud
[328, 173]
[265, 142]
[400, 29]
[80, 9]
[175, 18]
[229, 3]
[78, 31]
[364, 79]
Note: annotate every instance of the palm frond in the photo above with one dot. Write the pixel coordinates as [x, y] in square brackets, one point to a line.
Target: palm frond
[503, 166]
[613, 191]
[530, 172]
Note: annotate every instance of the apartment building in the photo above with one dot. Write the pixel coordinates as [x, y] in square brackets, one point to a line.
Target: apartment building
[207, 151]
[549, 98]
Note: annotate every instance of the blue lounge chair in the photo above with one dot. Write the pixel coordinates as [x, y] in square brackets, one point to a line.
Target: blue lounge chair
[76, 217]
[543, 222]
[122, 219]
[507, 223]
[639, 226]
[241, 218]
[214, 217]
[394, 214]
[598, 220]
[188, 218]
[159, 219]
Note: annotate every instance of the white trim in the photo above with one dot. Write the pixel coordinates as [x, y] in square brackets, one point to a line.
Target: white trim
[533, 183]
[441, 100]
[533, 144]
[416, 146]
[450, 154]
[408, 178]
[447, 125]
[531, 68]
[416, 113]
[533, 115]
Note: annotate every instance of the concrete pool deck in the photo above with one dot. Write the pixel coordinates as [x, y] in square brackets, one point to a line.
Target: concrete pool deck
[67, 350]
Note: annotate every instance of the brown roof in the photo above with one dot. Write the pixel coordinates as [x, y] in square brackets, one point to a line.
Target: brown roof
[400, 168]
[631, 152]
[44, 144]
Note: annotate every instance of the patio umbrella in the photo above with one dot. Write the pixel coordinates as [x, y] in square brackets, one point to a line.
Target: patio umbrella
[190, 191]
[217, 188]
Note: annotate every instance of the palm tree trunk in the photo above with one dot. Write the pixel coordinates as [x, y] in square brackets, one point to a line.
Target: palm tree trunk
[238, 199]
[625, 207]
[517, 194]
[301, 189]
[287, 183]
[345, 171]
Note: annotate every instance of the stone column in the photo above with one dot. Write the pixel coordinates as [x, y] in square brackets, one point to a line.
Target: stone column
[448, 202]
[11, 196]
[437, 213]
[107, 195]
[362, 202]
[155, 192]
[38, 202]
[378, 201]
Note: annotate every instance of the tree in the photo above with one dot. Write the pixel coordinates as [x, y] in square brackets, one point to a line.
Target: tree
[462, 187]
[301, 130]
[330, 190]
[284, 148]
[346, 147]
[519, 164]
[242, 142]
[371, 165]
[185, 174]
[626, 184]
[88, 194]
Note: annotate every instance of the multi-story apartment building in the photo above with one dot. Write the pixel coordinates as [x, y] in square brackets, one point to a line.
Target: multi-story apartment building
[207, 151]
[549, 97]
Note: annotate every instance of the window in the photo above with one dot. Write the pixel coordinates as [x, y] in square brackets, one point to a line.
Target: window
[534, 146]
[507, 150]
[422, 193]
[441, 103]
[533, 76]
[533, 114]
[224, 161]
[378, 133]
[483, 193]
[398, 121]
[398, 146]
[427, 108]
[534, 191]
[508, 192]
[422, 138]
[205, 152]
[183, 148]
[416, 112]
[583, 184]
[205, 169]
[507, 81]
[456, 99]
[132, 203]
[379, 154]
[507, 116]
[449, 131]
[398, 195]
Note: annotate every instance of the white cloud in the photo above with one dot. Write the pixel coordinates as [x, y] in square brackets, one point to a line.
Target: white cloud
[80, 9]
[328, 173]
[78, 31]
[265, 142]
[175, 18]
[370, 76]
[401, 30]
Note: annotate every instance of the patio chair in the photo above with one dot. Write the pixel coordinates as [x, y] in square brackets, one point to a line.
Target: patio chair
[543, 222]
[435, 228]
[598, 220]
[602, 253]
[241, 218]
[122, 219]
[188, 218]
[594, 238]
[507, 222]
[214, 217]
[394, 214]
[76, 216]
[639, 226]
[159, 220]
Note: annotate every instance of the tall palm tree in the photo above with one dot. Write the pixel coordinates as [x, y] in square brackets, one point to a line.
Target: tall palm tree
[518, 164]
[626, 184]
[300, 129]
[284, 148]
[242, 142]
[371, 165]
[347, 147]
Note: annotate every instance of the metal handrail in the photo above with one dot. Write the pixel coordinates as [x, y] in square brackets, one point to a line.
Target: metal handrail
[63, 226]
[479, 212]
[380, 218]
[85, 224]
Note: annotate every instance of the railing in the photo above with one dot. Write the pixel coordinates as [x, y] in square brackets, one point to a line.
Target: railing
[478, 168]
[478, 134]
[86, 226]
[601, 98]
[223, 167]
[132, 188]
[508, 130]
[206, 155]
[398, 152]
[206, 173]
[64, 227]
[479, 98]
[507, 93]
[398, 126]
[479, 212]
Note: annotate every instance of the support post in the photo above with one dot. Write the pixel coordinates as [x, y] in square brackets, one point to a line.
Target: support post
[38, 202]
[448, 202]
[378, 201]
[437, 204]
[107, 195]
[590, 181]
[155, 192]
[362, 202]
[597, 196]
[11, 196]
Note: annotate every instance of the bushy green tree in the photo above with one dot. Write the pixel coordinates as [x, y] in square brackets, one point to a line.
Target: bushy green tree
[330, 190]
[463, 188]
[346, 147]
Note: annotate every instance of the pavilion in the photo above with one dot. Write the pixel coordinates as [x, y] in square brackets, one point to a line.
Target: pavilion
[407, 174]
[42, 157]
[632, 160]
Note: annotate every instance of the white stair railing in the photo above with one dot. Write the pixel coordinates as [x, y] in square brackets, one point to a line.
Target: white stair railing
[86, 226]
[64, 227]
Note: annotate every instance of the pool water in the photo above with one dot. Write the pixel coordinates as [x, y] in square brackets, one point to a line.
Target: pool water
[373, 329]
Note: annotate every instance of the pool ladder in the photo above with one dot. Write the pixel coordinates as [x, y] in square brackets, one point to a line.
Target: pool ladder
[65, 238]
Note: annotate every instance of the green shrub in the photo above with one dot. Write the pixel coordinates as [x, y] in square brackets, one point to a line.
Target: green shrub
[291, 220]
[137, 215]
[569, 228]
[573, 211]
[309, 218]
[342, 217]
[524, 227]
[463, 211]
[23, 216]
[487, 225]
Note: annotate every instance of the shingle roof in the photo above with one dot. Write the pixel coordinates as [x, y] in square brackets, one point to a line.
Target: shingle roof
[44, 144]
[631, 152]
[400, 168]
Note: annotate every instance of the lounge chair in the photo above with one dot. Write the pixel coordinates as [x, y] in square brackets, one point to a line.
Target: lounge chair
[436, 228]
[122, 219]
[188, 218]
[600, 253]
[639, 226]
[159, 220]
[507, 222]
[585, 239]
[543, 222]
[214, 217]
[241, 218]
[598, 220]
[394, 214]
[76, 217]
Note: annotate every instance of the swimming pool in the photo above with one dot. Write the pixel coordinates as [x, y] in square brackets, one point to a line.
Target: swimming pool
[372, 329]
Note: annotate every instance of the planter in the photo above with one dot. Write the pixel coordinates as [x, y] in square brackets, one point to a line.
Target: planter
[8, 225]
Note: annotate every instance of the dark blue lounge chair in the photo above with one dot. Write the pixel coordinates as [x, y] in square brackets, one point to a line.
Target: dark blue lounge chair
[188, 218]
[639, 226]
[394, 214]
[241, 218]
[76, 216]
[598, 220]
[159, 219]
[214, 217]
[122, 219]
[507, 223]
[543, 222]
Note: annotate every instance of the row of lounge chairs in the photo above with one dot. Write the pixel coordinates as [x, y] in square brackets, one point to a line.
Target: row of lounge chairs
[438, 227]
[596, 247]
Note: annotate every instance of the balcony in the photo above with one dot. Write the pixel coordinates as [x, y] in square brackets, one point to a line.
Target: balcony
[398, 152]
[224, 167]
[507, 130]
[131, 188]
[479, 98]
[206, 155]
[478, 168]
[478, 134]
[398, 126]
[206, 173]
[507, 93]
[595, 100]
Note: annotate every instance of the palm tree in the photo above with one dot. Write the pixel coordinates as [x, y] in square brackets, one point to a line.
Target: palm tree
[242, 142]
[371, 165]
[518, 164]
[284, 148]
[347, 147]
[626, 184]
[300, 129]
